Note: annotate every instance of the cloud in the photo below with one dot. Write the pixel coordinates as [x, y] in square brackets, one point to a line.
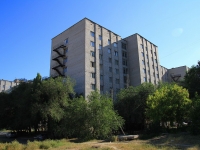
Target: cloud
[177, 32]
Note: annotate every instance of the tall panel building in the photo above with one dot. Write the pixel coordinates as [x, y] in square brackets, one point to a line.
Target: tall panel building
[98, 58]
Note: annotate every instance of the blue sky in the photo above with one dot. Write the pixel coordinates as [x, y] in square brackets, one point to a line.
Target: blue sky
[27, 27]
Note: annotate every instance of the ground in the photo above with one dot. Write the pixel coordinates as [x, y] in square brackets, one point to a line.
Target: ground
[164, 141]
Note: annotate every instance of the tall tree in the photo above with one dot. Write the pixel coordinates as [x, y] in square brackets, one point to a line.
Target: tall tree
[192, 80]
[131, 105]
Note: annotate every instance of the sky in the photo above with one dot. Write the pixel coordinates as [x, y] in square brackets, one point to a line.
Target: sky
[27, 27]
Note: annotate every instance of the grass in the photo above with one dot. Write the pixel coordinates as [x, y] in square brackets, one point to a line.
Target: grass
[163, 142]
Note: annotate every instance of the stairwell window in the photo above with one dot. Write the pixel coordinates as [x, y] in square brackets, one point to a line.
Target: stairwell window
[109, 50]
[93, 86]
[92, 43]
[93, 75]
[100, 47]
[92, 54]
[92, 64]
[115, 44]
[110, 69]
[110, 79]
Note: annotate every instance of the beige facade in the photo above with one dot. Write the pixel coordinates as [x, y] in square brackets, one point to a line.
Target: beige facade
[6, 86]
[143, 61]
[98, 58]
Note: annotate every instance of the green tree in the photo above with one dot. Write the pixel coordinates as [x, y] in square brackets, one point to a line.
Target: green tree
[195, 115]
[131, 105]
[170, 102]
[51, 99]
[102, 117]
[192, 80]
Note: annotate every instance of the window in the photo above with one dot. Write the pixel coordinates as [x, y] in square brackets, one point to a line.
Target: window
[124, 54]
[123, 46]
[66, 50]
[146, 49]
[152, 58]
[100, 57]
[100, 47]
[125, 70]
[92, 64]
[101, 66]
[147, 56]
[117, 71]
[148, 64]
[117, 90]
[157, 76]
[110, 69]
[144, 70]
[66, 41]
[4, 86]
[101, 87]
[141, 46]
[110, 60]
[93, 75]
[149, 80]
[155, 53]
[92, 53]
[151, 52]
[109, 42]
[155, 60]
[65, 69]
[110, 79]
[116, 62]
[142, 54]
[116, 53]
[125, 79]
[124, 62]
[115, 44]
[109, 50]
[148, 72]
[93, 86]
[153, 66]
[92, 33]
[145, 79]
[143, 62]
[65, 60]
[100, 37]
[157, 68]
[92, 43]
[117, 81]
[101, 77]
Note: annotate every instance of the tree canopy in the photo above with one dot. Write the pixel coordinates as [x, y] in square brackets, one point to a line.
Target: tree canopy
[170, 102]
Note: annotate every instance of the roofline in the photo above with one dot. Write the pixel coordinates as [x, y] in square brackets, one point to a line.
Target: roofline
[142, 37]
[90, 21]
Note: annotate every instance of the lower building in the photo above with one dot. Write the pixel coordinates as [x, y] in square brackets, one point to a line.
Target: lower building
[6, 86]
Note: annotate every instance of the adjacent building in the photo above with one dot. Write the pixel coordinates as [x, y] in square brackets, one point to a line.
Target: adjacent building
[98, 58]
[6, 86]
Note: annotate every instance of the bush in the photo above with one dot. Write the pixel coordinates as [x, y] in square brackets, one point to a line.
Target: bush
[15, 145]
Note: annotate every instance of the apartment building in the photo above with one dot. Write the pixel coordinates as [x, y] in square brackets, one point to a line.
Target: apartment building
[98, 58]
[6, 86]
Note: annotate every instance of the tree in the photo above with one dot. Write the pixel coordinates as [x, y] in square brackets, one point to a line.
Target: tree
[131, 105]
[102, 117]
[51, 99]
[192, 80]
[170, 102]
[195, 115]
